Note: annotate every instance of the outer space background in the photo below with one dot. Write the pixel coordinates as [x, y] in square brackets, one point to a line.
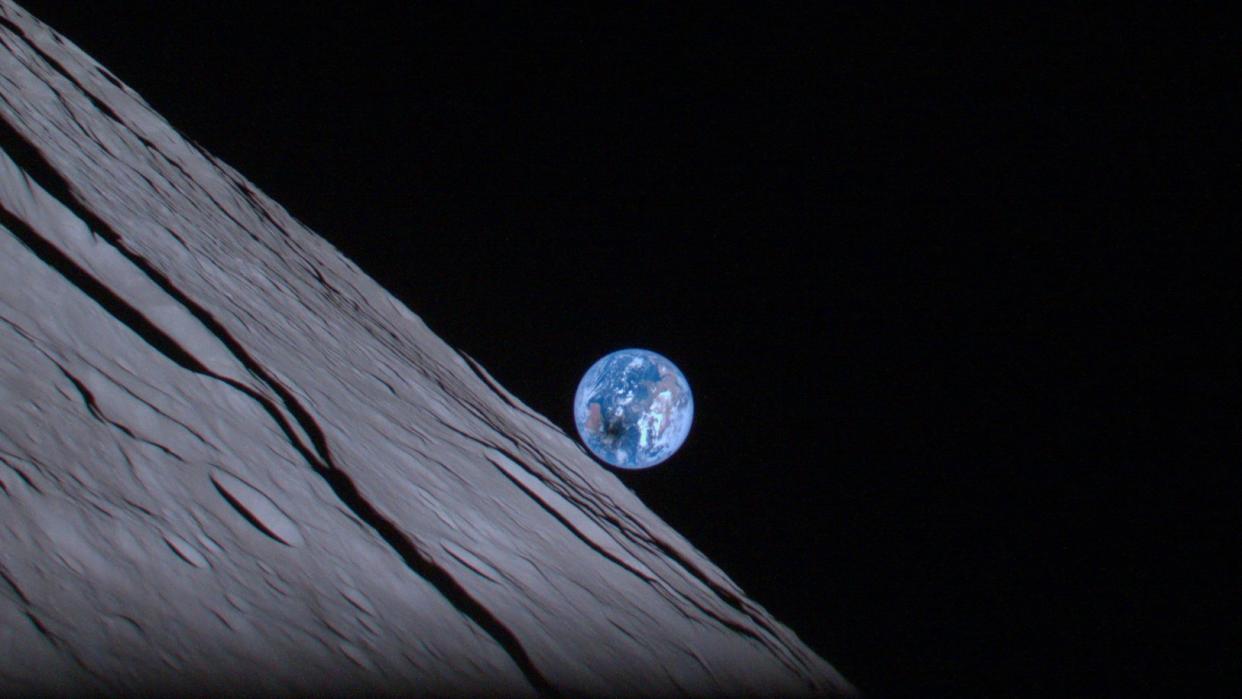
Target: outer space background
[912, 266]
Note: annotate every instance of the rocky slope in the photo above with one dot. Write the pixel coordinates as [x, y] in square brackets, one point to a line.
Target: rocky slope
[230, 461]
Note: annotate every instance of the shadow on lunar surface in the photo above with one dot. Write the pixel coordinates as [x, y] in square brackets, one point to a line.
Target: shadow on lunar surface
[28, 158]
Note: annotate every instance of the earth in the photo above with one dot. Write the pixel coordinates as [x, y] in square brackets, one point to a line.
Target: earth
[633, 408]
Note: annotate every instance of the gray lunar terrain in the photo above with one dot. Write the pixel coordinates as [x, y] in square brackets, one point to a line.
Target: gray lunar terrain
[231, 462]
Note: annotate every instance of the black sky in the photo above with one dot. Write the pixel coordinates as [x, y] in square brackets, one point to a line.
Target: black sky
[910, 264]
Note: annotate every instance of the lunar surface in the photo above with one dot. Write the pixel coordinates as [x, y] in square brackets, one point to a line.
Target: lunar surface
[633, 408]
[231, 462]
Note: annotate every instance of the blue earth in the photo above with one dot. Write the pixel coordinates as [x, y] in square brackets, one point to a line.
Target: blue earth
[633, 408]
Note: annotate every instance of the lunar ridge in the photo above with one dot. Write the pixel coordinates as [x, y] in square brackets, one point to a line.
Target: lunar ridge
[230, 461]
